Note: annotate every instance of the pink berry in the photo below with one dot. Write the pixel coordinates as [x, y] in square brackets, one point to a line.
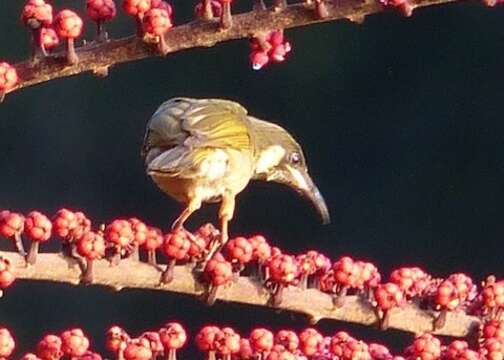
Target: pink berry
[173, 335]
[156, 21]
[239, 250]
[37, 226]
[91, 245]
[176, 245]
[7, 276]
[310, 342]
[425, 347]
[138, 349]
[49, 348]
[101, 10]
[74, 342]
[119, 233]
[64, 223]
[8, 77]
[7, 343]
[283, 268]
[261, 340]
[140, 231]
[288, 339]
[160, 4]
[205, 339]
[227, 341]
[136, 7]
[37, 13]
[218, 271]
[388, 295]
[68, 24]
[259, 59]
[116, 339]
[11, 223]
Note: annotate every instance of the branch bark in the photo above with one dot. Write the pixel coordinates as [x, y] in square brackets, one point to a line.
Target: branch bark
[98, 57]
[311, 302]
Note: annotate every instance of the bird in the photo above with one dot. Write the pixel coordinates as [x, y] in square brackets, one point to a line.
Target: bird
[208, 150]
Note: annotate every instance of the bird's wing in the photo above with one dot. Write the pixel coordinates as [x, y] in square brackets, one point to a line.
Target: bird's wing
[191, 137]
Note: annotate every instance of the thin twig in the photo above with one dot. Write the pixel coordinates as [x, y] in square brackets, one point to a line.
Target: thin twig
[311, 302]
[97, 57]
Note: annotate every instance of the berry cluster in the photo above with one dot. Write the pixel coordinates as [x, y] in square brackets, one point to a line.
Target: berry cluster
[37, 15]
[225, 343]
[267, 48]
[247, 256]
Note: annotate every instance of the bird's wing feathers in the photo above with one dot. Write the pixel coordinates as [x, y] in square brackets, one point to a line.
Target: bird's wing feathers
[191, 134]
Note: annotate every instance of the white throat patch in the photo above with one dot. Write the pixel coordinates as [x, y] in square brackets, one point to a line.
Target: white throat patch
[269, 158]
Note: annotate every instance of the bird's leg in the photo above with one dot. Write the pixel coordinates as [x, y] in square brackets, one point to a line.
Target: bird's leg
[225, 215]
[178, 224]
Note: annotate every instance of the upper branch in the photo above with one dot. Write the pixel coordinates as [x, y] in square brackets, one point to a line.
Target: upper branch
[97, 57]
[311, 302]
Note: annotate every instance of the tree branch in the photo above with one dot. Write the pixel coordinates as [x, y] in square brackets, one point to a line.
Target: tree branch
[97, 57]
[311, 302]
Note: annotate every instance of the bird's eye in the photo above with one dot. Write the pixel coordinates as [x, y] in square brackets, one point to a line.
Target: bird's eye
[295, 158]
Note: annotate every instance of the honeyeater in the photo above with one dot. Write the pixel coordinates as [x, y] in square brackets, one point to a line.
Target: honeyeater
[207, 150]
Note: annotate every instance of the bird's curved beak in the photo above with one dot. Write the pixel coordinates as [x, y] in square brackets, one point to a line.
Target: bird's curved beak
[300, 180]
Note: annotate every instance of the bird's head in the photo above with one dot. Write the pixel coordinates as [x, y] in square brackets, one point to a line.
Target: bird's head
[279, 158]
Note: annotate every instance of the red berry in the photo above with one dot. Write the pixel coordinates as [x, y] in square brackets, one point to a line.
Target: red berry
[205, 339]
[412, 280]
[7, 343]
[310, 342]
[154, 239]
[493, 294]
[283, 268]
[37, 226]
[91, 246]
[388, 295]
[370, 277]
[49, 348]
[173, 336]
[11, 223]
[348, 272]
[68, 24]
[239, 250]
[425, 347]
[154, 341]
[6, 273]
[227, 341]
[116, 339]
[379, 352]
[140, 231]
[89, 355]
[338, 343]
[8, 77]
[74, 342]
[261, 251]
[119, 233]
[84, 225]
[259, 59]
[176, 245]
[160, 4]
[30, 356]
[136, 7]
[493, 349]
[459, 350]
[261, 340]
[288, 339]
[65, 221]
[101, 10]
[37, 13]
[138, 349]
[493, 329]
[355, 349]
[156, 21]
[280, 353]
[218, 271]
[246, 352]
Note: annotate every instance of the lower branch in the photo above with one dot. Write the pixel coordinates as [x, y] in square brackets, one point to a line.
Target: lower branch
[315, 304]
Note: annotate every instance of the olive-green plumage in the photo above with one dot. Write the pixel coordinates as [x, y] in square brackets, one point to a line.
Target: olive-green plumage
[207, 150]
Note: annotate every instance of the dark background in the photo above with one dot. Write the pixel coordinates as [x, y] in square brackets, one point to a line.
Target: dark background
[401, 121]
